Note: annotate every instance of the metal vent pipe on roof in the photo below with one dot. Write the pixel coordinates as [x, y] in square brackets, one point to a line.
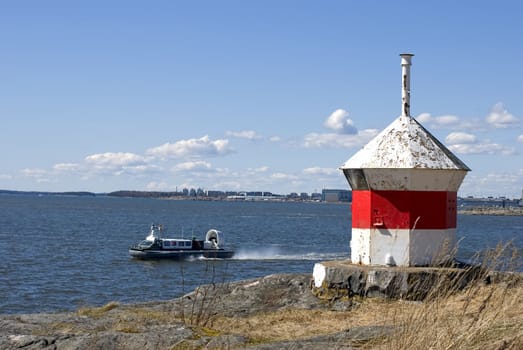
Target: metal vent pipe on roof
[405, 83]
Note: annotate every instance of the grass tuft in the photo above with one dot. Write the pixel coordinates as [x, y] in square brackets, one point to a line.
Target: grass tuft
[97, 312]
[486, 312]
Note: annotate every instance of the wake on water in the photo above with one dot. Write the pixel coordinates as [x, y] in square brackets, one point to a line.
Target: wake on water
[274, 253]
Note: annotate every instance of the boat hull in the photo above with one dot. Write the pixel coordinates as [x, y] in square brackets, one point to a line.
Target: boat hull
[155, 254]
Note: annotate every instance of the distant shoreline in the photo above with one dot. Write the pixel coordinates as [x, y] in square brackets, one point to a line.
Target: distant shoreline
[43, 193]
[468, 210]
[498, 211]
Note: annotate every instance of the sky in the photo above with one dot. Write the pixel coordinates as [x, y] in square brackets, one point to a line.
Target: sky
[267, 95]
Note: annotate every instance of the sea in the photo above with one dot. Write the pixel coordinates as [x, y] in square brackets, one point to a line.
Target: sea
[60, 253]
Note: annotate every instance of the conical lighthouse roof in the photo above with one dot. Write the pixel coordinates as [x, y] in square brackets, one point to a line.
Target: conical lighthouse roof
[405, 144]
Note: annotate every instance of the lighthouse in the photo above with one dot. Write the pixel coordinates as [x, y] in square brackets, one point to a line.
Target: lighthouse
[404, 192]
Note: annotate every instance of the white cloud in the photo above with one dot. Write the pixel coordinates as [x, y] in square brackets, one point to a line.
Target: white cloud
[246, 134]
[315, 140]
[5, 177]
[455, 138]
[283, 176]
[500, 118]
[203, 146]
[66, 167]
[482, 148]
[447, 120]
[40, 175]
[261, 169]
[117, 164]
[35, 172]
[193, 166]
[320, 171]
[157, 186]
[275, 139]
[453, 122]
[442, 121]
[424, 118]
[114, 160]
[520, 138]
[464, 143]
[494, 184]
[339, 122]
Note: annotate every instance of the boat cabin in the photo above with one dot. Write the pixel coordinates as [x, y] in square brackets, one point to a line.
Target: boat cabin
[172, 243]
[155, 241]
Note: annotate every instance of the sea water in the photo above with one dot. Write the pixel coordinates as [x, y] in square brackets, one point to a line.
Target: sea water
[60, 253]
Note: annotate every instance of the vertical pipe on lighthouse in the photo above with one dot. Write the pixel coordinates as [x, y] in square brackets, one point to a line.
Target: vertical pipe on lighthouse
[405, 83]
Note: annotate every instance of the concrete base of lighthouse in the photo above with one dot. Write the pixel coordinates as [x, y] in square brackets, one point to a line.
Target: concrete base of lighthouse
[342, 278]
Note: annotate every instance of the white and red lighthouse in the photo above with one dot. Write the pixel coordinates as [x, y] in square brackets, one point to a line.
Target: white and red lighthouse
[404, 185]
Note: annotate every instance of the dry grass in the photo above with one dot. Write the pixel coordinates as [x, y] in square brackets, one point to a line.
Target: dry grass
[477, 318]
[481, 316]
[125, 319]
[97, 312]
[291, 324]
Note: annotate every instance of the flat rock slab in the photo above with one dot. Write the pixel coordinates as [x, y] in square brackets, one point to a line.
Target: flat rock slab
[333, 279]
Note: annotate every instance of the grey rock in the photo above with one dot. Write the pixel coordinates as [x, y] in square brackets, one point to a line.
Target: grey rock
[411, 283]
[252, 296]
[136, 326]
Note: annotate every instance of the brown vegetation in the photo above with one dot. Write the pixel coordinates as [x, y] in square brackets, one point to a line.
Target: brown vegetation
[488, 314]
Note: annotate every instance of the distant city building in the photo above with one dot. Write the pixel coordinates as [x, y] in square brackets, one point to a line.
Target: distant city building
[293, 195]
[216, 194]
[316, 197]
[490, 202]
[334, 195]
[255, 196]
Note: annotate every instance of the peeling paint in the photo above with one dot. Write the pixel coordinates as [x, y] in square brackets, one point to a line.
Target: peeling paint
[405, 144]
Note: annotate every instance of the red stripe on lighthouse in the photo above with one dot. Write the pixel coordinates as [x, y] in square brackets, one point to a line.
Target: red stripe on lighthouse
[404, 209]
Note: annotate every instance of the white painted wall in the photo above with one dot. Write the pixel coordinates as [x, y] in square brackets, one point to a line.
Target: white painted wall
[404, 247]
[430, 247]
[385, 243]
[360, 246]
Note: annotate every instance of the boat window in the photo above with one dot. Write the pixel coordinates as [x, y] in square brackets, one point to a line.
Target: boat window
[145, 244]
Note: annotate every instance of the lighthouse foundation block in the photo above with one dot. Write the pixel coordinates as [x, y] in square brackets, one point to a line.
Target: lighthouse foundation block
[335, 279]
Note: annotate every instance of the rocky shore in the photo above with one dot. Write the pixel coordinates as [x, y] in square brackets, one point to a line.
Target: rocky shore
[273, 312]
[184, 323]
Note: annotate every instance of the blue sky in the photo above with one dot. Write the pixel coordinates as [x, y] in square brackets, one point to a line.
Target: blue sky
[250, 95]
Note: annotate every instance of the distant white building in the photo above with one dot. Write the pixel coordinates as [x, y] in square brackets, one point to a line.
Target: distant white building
[335, 195]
